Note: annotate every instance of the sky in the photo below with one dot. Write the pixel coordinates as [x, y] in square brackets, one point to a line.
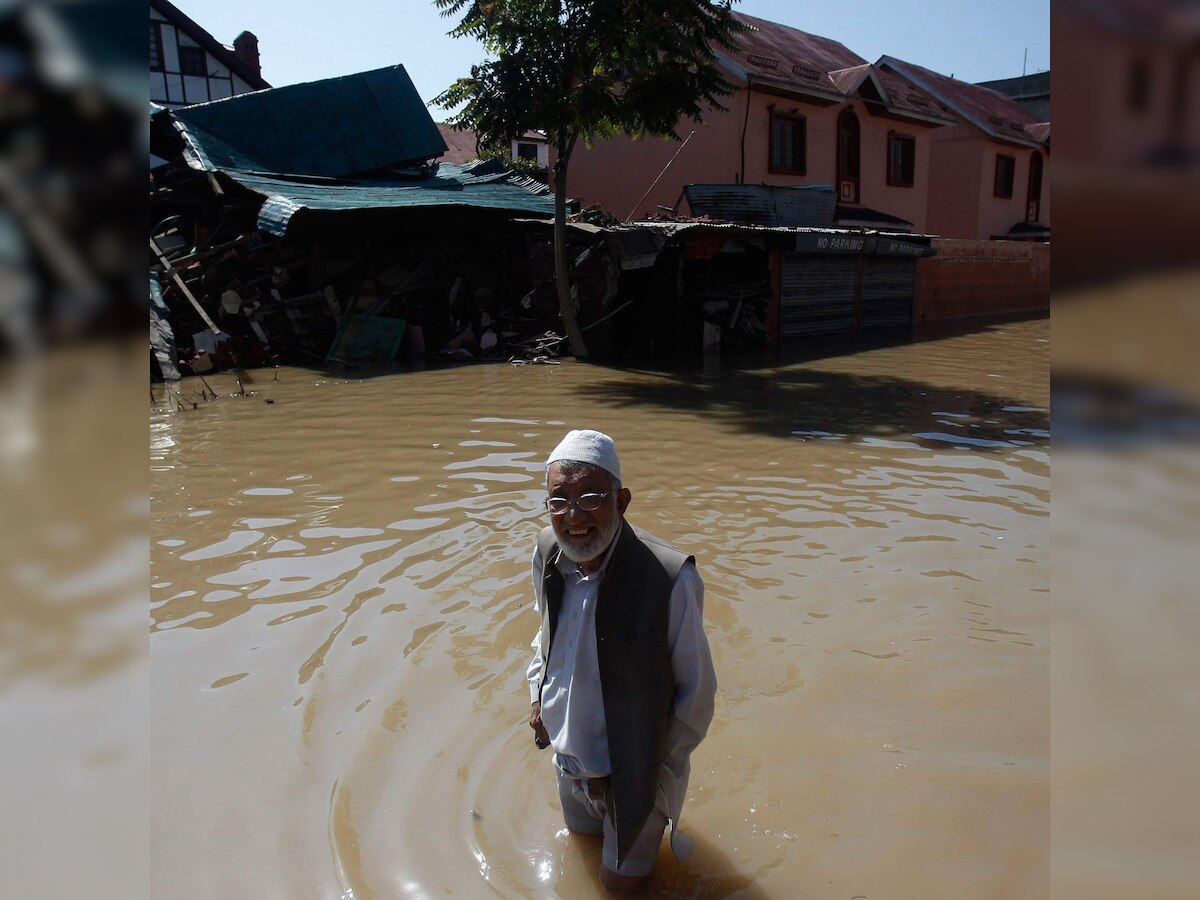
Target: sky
[303, 40]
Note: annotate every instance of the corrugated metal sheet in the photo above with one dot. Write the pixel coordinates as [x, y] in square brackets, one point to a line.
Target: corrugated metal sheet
[485, 185]
[336, 127]
[635, 248]
[162, 338]
[809, 206]
[887, 293]
[791, 56]
[817, 295]
[977, 104]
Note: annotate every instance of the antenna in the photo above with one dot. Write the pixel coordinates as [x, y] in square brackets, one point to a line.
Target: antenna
[1024, 62]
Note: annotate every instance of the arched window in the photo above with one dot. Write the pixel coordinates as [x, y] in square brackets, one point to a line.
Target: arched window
[1033, 203]
[847, 156]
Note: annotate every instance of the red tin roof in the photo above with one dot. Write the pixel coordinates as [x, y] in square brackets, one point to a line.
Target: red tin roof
[460, 144]
[997, 115]
[900, 96]
[791, 57]
[904, 96]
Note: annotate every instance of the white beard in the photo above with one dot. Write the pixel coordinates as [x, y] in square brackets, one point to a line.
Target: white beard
[583, 550]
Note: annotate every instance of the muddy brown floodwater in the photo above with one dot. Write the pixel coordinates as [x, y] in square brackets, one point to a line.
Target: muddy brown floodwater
[341, 617]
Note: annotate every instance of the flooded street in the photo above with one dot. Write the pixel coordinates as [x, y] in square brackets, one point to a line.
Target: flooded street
[341, 616]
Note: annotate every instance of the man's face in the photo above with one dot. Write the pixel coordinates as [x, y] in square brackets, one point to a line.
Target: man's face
[582, 535]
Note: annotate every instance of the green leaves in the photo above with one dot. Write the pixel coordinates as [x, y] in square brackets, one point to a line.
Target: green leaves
[589, 68]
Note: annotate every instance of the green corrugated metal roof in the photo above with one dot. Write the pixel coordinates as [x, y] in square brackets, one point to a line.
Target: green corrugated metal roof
[335, 127]
[486, 185]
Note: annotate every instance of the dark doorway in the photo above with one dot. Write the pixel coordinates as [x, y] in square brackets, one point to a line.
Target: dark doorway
[847, 156]
[1033, 205]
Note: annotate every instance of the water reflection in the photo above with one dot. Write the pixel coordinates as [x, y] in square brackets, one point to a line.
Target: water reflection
[341, 658]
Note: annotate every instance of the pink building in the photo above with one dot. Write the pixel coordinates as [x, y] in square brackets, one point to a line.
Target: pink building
[808, 111]
[989, 170]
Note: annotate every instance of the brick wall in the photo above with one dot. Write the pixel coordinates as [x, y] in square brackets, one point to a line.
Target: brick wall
[969, 279]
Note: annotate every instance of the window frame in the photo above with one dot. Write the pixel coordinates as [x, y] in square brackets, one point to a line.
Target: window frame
[157, 61]
[1033, 193]
[799, 126]
[911, 143]
[849, 156]
[187, 51]
[997, 187]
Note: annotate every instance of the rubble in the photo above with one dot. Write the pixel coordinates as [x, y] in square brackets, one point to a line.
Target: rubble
[357, 297]
[595, 214]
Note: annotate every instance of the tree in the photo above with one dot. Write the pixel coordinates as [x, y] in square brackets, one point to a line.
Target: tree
[588, 70]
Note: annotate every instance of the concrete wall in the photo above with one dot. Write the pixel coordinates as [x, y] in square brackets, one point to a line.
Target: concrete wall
[998, 214]
[969, 279]
[962, 203]
[617, 172]
[957, 155]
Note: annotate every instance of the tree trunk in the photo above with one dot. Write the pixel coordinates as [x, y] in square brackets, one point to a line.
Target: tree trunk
[562, 275]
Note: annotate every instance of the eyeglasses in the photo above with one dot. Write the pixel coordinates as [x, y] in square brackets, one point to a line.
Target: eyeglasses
[588, 503]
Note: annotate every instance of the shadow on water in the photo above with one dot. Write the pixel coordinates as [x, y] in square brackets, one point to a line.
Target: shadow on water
[835, 406]
[745, 358]
[781, 397]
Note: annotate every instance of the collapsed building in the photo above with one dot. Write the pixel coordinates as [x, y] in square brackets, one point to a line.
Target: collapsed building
[312, 224]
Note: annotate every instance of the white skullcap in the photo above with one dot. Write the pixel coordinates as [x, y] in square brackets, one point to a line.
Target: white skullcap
[592, 447]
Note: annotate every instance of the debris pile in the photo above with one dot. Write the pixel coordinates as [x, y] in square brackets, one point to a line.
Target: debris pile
[596, 214]
[359, 296]
[335, 238]
[737, 309]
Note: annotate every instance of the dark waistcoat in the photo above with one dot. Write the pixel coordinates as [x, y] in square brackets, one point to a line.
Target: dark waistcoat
[635, 665]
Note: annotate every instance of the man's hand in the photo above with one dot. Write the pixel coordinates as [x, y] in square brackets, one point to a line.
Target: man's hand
[540, 736]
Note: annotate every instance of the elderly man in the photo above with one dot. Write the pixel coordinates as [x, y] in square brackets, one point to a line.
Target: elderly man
[621, 680]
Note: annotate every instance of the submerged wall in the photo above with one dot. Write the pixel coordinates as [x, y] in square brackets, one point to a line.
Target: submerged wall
[969, 279]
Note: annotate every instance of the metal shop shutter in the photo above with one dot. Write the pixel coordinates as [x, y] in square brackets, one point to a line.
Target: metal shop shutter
[817, 295]
[887, 292]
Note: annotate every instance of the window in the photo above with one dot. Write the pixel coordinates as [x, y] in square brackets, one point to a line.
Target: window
[787, 144]
[156, 51]
[848, 146]
[902, 158]
[1033, 203]
[191, 61]
[1005, 167]
[527, 151]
